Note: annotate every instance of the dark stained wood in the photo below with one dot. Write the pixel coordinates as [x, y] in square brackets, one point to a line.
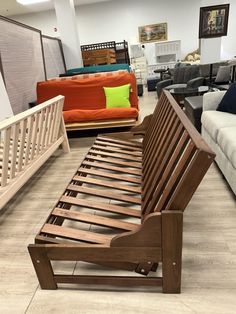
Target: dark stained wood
[100, 142]
[116, 209]
[109, 280]
[136, 172]
[172, 230]
[119, 141]
[95, 220]
[147, 235]
[115, 155]
[114, 185]
[110, 175]
[115, 161]
[74, 234]
[160, 174]
[42, 267]
[110, 195]
[116, 150]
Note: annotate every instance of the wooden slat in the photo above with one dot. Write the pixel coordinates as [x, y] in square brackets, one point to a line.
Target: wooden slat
[115, 161]
[122, 156]
[28, 139]
[100, 193]
[109, 280]
[110, 175]
[112, 168]
[5, 157]
[101, 206]
[116, 150]
[14, 150]
[110, 184]
[94, 219]
[119, 141]
[74, 234]
[100, 142]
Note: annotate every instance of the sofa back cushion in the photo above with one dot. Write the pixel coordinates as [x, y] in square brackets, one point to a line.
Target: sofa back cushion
[185, 73]
[228, 102]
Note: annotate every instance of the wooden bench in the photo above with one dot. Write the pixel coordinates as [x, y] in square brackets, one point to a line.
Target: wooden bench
[28, 139]
[157, 176]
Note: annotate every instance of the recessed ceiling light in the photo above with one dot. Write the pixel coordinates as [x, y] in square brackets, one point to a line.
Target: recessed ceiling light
[26, 2]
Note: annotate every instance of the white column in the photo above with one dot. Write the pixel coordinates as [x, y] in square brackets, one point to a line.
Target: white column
[67, 26]
[210, 50]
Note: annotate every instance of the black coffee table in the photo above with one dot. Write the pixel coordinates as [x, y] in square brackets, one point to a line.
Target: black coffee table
[179, 93]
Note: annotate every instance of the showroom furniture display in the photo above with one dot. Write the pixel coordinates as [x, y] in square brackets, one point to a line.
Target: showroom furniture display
[186, 76]
[193, 109]
[152, 82]
[158, 174]
[179, 93]
[219, 131]
[28, 139]
[120, 48]
[85, 101]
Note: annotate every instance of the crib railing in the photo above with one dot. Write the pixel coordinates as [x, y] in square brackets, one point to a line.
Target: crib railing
[27, 140]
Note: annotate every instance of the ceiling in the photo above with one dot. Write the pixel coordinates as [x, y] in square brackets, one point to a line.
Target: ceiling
[11, 7]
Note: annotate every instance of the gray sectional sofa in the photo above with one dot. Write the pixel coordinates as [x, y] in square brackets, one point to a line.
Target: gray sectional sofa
[219, 131]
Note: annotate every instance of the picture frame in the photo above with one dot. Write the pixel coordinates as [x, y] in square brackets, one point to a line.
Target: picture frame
[213, 21]
[153, 32]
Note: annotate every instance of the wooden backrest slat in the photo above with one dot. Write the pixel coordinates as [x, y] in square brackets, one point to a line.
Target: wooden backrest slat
[156, 135]
[175, 159]
[161, 158]
[157, 118]
[160, 183]
[155, 125]
[190, 181]
[160, 145]
[175, 179]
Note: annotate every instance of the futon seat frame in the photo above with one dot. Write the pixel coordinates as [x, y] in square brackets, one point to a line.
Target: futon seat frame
[157, 167]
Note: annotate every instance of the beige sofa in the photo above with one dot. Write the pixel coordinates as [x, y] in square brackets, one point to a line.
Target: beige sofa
[219, 131]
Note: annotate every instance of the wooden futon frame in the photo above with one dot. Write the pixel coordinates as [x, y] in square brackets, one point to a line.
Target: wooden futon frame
[150, 182]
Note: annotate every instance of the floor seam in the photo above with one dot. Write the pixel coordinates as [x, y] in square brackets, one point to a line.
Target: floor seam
[31, 299]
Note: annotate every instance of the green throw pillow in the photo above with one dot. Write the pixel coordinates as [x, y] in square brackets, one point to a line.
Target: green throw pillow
[117, 97]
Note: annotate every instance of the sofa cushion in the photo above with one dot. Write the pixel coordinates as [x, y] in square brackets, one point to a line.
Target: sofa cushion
[117, 97]
[87, 93]
[226, 139]
[213, 121]
[228, 102]
[223, 74]
[76, 115]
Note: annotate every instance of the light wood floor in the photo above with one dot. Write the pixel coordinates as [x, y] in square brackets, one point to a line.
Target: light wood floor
[209, 253]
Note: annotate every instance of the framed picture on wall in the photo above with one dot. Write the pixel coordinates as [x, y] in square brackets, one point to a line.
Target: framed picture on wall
[213, 21]
[153, 32]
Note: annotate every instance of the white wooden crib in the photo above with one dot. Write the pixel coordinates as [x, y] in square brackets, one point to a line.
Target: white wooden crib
[28, 139]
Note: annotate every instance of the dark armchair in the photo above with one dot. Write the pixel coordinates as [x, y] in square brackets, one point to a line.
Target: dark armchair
[186, 76]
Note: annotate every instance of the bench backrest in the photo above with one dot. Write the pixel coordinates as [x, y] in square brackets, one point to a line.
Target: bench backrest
[175, 159]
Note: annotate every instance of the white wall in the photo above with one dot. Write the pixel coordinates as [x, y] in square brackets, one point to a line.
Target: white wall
[119, 19]
[228, 43]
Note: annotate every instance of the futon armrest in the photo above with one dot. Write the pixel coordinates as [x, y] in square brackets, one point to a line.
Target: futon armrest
[212, 100]
[196, 82]
[142, 127]
[163, 84]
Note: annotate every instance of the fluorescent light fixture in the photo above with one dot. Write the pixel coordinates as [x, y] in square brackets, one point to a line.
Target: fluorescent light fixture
[27, 2]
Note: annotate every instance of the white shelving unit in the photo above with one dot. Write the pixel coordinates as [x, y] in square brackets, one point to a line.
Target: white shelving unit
[167, 53]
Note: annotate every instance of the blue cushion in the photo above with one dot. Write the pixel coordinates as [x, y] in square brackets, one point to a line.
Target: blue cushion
[228, 102]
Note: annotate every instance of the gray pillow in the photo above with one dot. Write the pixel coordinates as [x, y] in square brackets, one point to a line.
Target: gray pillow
[223, 74]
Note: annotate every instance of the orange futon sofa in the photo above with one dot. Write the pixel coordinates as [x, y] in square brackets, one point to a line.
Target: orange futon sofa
[85, 102]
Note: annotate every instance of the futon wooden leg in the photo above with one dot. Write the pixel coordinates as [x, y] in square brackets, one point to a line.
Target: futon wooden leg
[172, 230]
[42, 267]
